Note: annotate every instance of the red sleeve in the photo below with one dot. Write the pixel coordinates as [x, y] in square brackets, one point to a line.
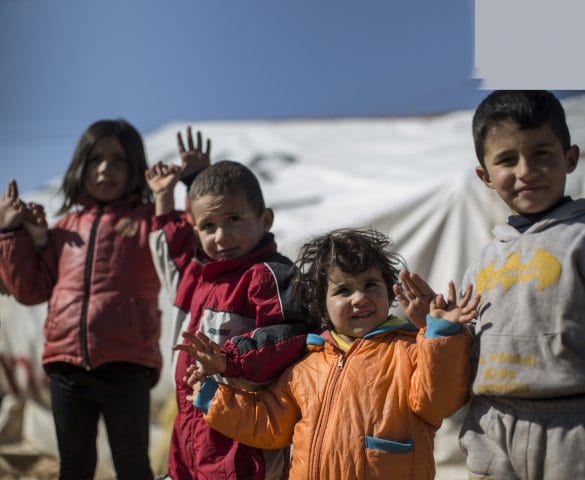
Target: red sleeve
[264, 353]
[179, 235]
[29, 275]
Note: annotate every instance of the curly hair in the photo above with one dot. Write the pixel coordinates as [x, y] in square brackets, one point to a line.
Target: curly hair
[353, 252]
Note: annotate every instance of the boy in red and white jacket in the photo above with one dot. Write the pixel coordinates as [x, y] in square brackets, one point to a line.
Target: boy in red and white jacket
[228, 279]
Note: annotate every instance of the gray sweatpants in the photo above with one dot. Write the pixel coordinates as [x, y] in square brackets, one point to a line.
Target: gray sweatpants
[510, 439]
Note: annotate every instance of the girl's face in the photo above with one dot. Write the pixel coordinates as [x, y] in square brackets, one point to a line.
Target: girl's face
[106, 173]
[356, 304]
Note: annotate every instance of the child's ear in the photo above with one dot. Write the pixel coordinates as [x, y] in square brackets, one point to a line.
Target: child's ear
[267, 218]
[484, 177]
[572, 157]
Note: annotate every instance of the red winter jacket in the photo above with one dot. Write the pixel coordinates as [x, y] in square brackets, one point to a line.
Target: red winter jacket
[98, 276]
[224, 299]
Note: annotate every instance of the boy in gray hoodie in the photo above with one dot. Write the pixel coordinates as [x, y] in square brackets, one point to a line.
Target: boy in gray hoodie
[527, 413]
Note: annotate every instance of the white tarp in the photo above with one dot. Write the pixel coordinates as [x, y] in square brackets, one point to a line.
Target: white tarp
[411, 178]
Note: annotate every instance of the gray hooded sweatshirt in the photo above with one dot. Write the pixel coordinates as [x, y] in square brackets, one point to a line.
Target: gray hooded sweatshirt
[530, 334]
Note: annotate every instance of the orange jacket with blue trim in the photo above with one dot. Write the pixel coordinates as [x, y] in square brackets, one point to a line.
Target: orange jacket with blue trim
[369, 413]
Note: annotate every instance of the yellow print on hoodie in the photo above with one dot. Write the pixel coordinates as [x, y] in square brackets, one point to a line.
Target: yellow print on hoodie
[543, 267]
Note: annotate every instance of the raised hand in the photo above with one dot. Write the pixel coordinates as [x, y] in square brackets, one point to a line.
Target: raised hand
[35, 223]
[206, 352]
[414, 296]
[12, 209]
[462, 311]
[161, 177]
[193, 159]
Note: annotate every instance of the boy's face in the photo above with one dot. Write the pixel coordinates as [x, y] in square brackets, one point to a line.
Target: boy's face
[356, 304]
[527, 168]
[227, 226]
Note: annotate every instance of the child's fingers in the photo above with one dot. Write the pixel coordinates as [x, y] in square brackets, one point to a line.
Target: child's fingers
[452, 295]
[7, 192]
[189, 336]
[13, 190]
[208, 148]
[185, 347]
[190, 143]
[406, 284]
[471, 307]
[466, 296]
[197, 376]
[399, 296]
[206, 343]
[439, 302]
[180, 144]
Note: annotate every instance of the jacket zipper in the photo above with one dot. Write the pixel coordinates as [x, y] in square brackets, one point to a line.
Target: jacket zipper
[86, 290]
[322, 422]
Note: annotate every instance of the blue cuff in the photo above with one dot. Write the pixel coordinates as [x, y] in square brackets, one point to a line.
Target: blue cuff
[439, 328]
[205, 395]
[314, 339]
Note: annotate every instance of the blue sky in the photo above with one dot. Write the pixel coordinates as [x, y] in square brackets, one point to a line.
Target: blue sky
[67, 63]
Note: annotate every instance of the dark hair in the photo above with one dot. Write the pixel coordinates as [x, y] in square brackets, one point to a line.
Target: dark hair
[529, 108]
[353, 252]
[228, 178]
[72, 186]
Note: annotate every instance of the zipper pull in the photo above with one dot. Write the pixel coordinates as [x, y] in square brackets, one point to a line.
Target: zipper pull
[340, 361]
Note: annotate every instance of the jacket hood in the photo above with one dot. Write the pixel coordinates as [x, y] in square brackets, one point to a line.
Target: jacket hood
[567, 211]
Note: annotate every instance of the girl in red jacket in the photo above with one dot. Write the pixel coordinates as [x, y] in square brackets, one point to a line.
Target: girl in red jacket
[94, 268]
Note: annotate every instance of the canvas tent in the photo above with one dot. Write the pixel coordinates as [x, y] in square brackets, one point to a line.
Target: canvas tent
[412, 178]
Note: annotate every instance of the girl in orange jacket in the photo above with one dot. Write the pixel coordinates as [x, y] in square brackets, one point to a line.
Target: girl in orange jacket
[366, 400]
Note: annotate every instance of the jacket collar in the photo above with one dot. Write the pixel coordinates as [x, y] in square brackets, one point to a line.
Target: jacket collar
[212, 268]
[90, 203]
[392, 324]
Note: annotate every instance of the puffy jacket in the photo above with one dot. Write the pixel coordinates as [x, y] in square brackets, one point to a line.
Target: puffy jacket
[370, 413]
[98, 277]
[224, 299]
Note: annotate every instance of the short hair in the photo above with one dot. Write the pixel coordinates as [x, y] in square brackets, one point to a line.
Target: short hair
[72, 186]
[353, 252]
[228, 178]
[529, 108]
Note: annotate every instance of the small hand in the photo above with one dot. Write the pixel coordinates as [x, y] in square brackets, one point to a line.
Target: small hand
[12, 209]
[460, 312]
[193, 159]
[35, 223]
[206, 352]
[414, 296]
[162, 178]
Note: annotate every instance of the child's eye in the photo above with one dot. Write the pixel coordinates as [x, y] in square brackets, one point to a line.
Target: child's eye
[506, 161]
[234, 219]
[118, 162]
[341, 291]
[542, 154]
[94, 159]
[207, 227]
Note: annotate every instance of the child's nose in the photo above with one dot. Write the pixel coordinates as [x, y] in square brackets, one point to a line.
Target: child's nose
[104, 165]
[525, 167]
[221, 233]
[358, 297]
